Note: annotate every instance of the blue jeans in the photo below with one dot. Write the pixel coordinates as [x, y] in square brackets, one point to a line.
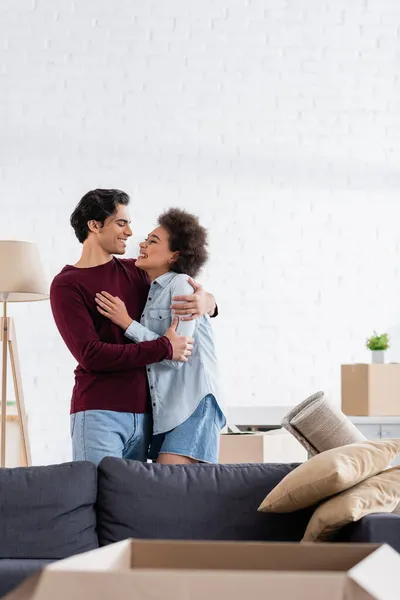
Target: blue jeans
[99, 433]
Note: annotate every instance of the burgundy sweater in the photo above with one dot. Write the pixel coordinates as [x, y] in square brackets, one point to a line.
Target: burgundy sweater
[111, 373]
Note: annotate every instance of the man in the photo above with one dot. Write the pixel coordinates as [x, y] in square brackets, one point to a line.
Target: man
[110, 407]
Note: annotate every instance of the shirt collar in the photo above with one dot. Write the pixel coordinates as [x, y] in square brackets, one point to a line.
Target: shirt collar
[165, 279]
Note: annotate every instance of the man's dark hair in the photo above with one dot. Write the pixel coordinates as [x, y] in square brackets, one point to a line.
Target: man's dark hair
[96, 205]
[187, 237]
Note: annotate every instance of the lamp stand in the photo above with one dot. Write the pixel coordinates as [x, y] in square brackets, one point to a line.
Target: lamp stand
[9, 346]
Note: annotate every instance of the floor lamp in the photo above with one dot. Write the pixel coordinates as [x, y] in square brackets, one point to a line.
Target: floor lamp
[21, 280]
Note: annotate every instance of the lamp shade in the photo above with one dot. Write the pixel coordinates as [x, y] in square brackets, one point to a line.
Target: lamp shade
[22, 278]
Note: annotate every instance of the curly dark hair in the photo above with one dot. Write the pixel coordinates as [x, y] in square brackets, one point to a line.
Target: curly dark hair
[187, 237]
[96, 205]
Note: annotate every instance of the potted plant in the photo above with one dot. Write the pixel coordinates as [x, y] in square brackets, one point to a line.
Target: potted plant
[378, 344]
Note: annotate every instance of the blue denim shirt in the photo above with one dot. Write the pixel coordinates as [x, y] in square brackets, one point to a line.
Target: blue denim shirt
[176, 388]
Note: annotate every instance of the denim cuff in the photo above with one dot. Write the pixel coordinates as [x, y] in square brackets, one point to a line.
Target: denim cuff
[134, 330]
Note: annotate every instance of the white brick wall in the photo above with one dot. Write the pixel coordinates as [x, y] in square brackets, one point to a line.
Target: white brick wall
[277, 121]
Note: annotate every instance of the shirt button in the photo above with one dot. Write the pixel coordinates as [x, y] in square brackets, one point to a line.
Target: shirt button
[154, 403]
[160, 317]
[148, 370]
[149, 299]
[151, 387]
[142, 316]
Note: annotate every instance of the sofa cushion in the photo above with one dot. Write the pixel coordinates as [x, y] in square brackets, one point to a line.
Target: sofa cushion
[209, 502]
[48, 512]
[13, 572]
[378, 494]
[330, 473]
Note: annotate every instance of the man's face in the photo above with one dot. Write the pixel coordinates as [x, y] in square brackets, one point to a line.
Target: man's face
[112, 237]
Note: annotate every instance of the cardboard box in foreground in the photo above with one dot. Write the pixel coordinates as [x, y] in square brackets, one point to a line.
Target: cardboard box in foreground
[174, 570]
[276, 446]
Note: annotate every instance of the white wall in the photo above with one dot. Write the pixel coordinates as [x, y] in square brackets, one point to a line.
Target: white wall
[278, 122]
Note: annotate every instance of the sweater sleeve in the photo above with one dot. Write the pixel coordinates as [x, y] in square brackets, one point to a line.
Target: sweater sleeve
[76, 327]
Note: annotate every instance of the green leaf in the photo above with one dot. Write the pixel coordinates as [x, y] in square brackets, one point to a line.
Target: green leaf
[378, 342]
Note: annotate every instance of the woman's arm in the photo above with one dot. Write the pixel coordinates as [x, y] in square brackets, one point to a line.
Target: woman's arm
[114, 309]
[138, 333]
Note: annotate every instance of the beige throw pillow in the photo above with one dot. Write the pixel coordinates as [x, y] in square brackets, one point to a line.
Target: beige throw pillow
[329, 473]
[377, 494]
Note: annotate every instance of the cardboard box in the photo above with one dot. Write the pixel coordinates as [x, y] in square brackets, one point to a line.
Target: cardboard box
[173, 570]
[276, 446]
[371, 390]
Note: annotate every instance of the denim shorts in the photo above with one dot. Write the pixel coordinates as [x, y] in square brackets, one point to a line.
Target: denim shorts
[197, 437]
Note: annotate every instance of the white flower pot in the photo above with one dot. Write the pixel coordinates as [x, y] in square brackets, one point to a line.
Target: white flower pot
[378, 357]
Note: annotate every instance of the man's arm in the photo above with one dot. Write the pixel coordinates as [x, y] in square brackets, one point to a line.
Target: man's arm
[77, 330]
[192, 305]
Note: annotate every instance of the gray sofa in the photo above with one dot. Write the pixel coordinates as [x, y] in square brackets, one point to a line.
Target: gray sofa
[49, 513]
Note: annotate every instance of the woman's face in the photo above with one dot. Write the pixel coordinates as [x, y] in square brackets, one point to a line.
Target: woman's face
[155, 255]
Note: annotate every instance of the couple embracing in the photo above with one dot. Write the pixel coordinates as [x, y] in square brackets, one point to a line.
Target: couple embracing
[146, 384]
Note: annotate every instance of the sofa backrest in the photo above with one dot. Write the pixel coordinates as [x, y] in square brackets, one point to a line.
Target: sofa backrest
[48, 512]
[209, 502]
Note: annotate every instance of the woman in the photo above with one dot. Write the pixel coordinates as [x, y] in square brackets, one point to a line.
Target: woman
[187, 416]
